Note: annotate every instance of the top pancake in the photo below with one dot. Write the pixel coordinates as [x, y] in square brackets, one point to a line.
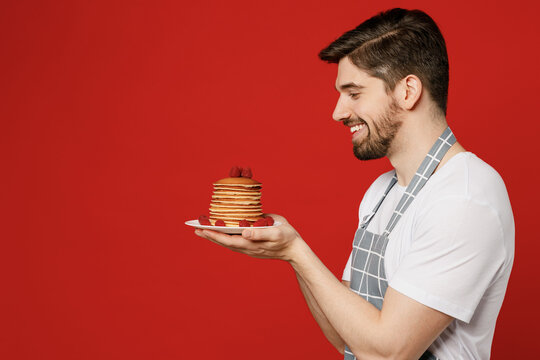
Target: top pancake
[237, 188]
[242, 181]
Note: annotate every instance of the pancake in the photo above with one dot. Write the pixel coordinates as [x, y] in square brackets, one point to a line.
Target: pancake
[234, 206]
[235, 211]
[245, 203]
[231, 223]
[237, 190]
[235, 199]
[240, 190]
[238, 181]
[236, 218]
[236, 195]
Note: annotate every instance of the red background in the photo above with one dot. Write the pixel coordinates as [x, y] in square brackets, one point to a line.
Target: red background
[118, 115]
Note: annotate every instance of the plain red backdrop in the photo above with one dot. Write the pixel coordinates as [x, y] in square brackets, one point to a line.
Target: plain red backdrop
[116, 117]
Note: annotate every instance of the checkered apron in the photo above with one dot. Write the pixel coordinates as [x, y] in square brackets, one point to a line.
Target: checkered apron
[368, 277]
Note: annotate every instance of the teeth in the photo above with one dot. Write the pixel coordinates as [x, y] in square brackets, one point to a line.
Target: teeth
[356, 128]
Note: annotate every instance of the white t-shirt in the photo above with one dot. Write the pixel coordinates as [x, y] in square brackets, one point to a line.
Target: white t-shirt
[452, 250]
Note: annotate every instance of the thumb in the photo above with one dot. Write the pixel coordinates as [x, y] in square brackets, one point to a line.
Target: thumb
[254, 234]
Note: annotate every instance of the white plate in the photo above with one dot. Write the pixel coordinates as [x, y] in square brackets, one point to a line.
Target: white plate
[226, 229]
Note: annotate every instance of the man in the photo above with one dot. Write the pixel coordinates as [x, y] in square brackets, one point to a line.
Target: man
[433, 252]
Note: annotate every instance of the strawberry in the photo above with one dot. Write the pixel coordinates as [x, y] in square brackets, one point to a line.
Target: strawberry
[235, 172]
[244, 223]
[204, 220]
[269, 220]
[246, 172]
[219, 223]
[260, 222]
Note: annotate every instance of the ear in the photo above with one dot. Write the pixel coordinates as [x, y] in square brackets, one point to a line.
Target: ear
[409, 91]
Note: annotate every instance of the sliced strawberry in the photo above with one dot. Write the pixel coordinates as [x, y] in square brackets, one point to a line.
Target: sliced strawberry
[269, 220]
[219, 223]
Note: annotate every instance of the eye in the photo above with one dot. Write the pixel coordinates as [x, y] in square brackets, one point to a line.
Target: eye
[354, 95]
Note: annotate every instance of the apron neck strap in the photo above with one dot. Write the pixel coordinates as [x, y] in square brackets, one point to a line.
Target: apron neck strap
[424, 172]
[367, 219]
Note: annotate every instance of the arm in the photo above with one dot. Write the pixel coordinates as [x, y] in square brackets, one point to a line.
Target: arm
[319, 316]
[403, 328]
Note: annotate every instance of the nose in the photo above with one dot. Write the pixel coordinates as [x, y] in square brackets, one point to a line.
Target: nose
[341, 112]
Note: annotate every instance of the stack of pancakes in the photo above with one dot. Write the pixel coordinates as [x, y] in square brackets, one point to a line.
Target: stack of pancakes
[235, 199]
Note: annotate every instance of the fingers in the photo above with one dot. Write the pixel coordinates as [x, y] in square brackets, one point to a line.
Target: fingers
[228, 241]
[238, 244]
[268, 242]
[270, 234]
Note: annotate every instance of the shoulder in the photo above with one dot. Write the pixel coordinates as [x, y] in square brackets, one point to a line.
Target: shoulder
[465, 179]
[467, 198]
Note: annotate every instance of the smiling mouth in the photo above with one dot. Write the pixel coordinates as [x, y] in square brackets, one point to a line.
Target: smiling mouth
[357, 128]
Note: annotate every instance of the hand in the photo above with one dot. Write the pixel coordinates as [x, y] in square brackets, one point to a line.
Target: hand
[273, 243]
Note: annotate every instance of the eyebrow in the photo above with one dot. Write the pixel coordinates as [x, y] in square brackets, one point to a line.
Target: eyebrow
[349, 85]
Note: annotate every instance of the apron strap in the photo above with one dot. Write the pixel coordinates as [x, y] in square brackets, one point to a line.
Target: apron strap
[424, 172]
[367, 218]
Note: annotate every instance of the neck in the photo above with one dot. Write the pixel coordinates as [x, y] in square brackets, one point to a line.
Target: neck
[412, 143]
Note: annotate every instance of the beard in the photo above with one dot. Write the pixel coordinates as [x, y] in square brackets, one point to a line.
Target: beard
[377, 142]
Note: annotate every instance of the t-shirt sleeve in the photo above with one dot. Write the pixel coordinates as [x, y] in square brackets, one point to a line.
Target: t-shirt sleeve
[347, 271]
[457, 252]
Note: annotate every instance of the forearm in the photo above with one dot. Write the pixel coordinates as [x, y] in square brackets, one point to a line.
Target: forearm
[404, 328]
[356, 321]
[319, 316]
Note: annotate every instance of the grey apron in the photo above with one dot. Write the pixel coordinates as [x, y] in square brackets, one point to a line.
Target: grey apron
[368, 277]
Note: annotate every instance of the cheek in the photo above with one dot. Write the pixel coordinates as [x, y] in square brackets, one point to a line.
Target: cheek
[367, 109]
[376, 106]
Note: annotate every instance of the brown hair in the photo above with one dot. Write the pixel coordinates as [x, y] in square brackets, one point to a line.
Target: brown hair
[396, 43]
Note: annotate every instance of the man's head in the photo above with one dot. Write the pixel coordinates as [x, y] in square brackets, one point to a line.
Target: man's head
[396, 47]
[394, 44]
